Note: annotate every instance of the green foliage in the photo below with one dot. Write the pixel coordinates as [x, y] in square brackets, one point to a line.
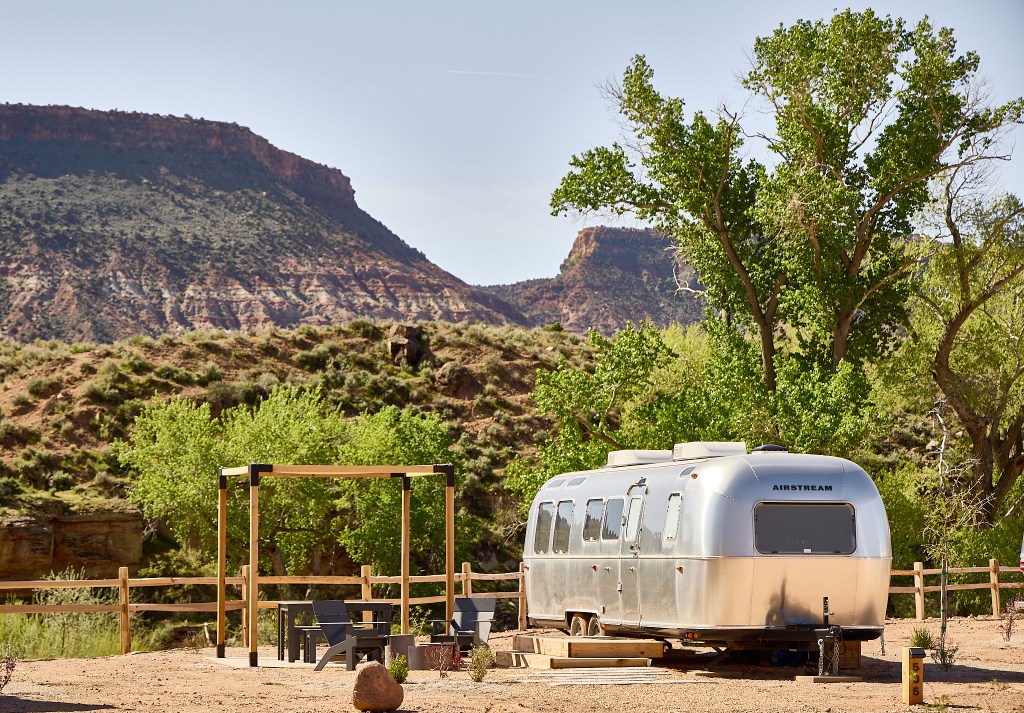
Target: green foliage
[867, 110]
[398, 667]
[944, 655]
[45, 386]
[921, 638]
[177, 447]
[67, 634]
[369, 524]
[481, 658]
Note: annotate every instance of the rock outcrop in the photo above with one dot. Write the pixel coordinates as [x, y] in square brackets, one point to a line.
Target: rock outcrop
[113, 224]
[612, 276]
[93, 543]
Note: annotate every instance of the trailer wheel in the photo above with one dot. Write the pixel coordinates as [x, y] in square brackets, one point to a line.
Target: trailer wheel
[578, 625]
[594, 627]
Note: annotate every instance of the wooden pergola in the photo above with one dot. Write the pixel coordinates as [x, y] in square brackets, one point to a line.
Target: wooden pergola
[255, 471]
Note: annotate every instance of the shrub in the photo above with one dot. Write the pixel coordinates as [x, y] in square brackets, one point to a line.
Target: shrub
[208, 373]
[922, 638]
[44, 386]
[365, 329]
[60, 480]
[7, 666]
[9, 487]
[945, 655]
[481, 658]
[398, 667]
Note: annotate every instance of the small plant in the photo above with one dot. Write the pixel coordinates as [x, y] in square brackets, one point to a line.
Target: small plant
[448, 658]
[481, 658]
[194, 641]
[945, 656]
[7, 666]
[1009, 617]
[921, 638]
[398, 667]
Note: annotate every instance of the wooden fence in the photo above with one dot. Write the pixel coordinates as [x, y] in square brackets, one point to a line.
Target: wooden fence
[919, 590]
[365, 581]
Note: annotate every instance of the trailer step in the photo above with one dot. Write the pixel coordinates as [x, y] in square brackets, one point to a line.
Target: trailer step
[589, 646]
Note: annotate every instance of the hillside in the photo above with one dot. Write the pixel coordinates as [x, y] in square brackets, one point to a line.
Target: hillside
[612, 276]
[62, 405]
[114, 224]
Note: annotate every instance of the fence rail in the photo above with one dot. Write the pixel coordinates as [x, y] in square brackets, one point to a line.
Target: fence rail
[919, 589]
[365, 581]
[124, 584]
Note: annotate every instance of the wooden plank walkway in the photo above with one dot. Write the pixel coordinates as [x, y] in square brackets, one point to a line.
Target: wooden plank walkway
[609, 677]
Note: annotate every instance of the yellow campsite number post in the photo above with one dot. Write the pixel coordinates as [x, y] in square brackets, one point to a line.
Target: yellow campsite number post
[913, 675]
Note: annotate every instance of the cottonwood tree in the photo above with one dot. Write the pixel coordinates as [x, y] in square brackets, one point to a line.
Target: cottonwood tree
[176, 447]
[972, 321]
[866, 112]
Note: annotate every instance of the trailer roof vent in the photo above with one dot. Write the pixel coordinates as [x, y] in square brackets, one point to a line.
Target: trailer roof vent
[770, 448]
[708, 449]
[618, 459]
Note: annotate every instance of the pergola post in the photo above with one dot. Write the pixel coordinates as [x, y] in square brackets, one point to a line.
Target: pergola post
[406, 507]
[222, 554]
[254, 558]
[449, 541]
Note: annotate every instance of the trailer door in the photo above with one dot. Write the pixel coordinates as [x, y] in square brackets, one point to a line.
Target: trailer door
[629, 564]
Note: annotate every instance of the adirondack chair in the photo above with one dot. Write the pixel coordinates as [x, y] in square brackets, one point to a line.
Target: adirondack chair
[345, 636]
[470, 624]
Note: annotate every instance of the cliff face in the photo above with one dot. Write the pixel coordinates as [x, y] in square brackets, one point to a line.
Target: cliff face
[612, 276]
[113, 224]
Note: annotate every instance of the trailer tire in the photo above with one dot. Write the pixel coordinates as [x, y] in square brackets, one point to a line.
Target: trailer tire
[594, 627]
[578, 625]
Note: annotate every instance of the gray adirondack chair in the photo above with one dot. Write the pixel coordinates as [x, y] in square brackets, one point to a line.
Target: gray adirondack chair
[469, 626]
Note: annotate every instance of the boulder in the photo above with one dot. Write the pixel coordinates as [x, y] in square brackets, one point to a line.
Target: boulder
[407, 345]
[376, 690]
[454, 379]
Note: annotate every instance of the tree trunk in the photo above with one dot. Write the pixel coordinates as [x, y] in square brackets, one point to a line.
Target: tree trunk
[767, 336]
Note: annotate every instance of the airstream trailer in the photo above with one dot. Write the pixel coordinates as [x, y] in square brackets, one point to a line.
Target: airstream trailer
[711, 545]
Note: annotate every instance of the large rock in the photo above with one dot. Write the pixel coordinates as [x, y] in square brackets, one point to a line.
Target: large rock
[454, 379]
[376, 690]
[407, 345]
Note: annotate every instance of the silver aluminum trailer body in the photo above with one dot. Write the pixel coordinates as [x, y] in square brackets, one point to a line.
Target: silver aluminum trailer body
[717, 550]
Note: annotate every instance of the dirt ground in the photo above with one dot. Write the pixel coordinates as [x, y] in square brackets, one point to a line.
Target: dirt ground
[988, 676]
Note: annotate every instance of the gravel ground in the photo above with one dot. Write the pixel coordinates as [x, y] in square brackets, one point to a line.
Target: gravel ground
[988, 676]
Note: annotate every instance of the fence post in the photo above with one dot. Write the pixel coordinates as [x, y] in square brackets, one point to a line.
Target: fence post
[245, 605]
[522, 599]
[126, 622]
[366, 590]
[919, 590]
[467, 579]
[993, 575]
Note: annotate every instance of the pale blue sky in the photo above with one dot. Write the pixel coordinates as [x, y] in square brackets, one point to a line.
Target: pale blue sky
[454, 119]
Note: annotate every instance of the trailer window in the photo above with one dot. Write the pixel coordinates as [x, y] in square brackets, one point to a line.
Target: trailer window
[563, 523]
[545, 514]
[675, 506]
[612, 520]
[805, 528]
[636, 506]
[592, 523]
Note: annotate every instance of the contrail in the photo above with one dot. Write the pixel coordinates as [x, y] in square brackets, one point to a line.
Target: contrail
[496, 74]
